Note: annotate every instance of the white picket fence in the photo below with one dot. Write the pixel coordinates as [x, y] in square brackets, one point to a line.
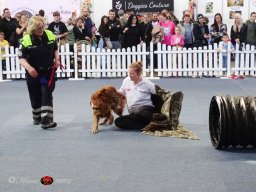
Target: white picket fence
[89, 62]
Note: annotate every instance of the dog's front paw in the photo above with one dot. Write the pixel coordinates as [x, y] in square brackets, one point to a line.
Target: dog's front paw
[95, 131]
[111, 120]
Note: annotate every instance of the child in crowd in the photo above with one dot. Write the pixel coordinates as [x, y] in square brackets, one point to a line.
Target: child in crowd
[3, 43]
[177, 40]
[223, 47]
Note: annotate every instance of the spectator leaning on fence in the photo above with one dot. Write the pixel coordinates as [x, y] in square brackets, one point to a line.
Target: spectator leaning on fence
[39, 55]
[58, 28]
[3, 44]
[80, 32]
[104, 33]
[115, 29]
[223, 47]
[177, 40]
[217, 29]
[133, 34]
[251, 29]
[187, 30]
[146, 27]
[201, 32]
[238, 31]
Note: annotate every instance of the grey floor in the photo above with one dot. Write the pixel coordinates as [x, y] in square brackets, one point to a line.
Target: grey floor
[116, 160]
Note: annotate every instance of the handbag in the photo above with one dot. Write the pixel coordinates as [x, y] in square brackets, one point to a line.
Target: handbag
[157, 34]
[108, 43]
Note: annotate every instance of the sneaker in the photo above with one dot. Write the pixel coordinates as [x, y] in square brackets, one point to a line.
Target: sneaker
[50, 125]
[241, 77]
[234, 77]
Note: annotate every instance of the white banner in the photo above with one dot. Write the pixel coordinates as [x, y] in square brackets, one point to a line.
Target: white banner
[253, 6]
[31, 7]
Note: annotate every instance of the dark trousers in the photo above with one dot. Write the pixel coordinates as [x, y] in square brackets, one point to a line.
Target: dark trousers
[137, 119]
[155, 61]
[41, 98]
[188, 46]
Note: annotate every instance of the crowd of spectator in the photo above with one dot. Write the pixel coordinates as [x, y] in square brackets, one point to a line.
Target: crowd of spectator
[125, 29]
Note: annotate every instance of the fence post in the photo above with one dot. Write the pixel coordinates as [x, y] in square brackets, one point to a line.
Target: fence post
[151, 56]
[237, 59]
[253, 63]
[151, 60]
[75, 65]
[229, 60]
[248, 63]
[1, 67]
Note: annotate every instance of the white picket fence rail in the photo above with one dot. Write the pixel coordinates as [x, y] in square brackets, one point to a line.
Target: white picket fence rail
[89, 62]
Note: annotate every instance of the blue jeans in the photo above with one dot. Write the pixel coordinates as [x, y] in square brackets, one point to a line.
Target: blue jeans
[101, 44]
[225, 62]
[116, 45]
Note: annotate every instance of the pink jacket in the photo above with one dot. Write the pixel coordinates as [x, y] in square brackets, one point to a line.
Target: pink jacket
[168, 30]
[177, 40]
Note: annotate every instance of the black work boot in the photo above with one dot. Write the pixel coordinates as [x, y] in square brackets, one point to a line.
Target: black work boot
[49, 125]
[36, 121]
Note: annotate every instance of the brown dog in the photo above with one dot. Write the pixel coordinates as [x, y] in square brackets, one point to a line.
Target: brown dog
[103, 101]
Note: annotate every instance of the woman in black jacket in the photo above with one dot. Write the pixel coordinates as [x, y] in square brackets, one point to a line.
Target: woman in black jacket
[133, 33]
[104, 32]
[201, 32]
[217, 29]
[146, 28]
[238, 31]
[80, 31]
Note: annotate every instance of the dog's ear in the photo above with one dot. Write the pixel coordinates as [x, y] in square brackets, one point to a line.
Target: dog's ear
[96, 99]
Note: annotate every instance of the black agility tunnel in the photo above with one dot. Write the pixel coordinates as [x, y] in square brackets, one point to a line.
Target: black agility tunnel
[232, 121]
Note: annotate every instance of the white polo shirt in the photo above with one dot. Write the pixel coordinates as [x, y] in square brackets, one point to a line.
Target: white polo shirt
[138, 95]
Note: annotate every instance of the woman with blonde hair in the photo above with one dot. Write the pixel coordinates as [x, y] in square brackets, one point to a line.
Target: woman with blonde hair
[138, 92]
[39, 55]
[238, 30]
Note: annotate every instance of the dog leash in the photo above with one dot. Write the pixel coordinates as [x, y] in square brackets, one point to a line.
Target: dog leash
[54, 69]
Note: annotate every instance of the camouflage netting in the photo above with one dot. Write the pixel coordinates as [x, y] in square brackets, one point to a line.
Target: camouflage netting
[165, 123]
[180, 132]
